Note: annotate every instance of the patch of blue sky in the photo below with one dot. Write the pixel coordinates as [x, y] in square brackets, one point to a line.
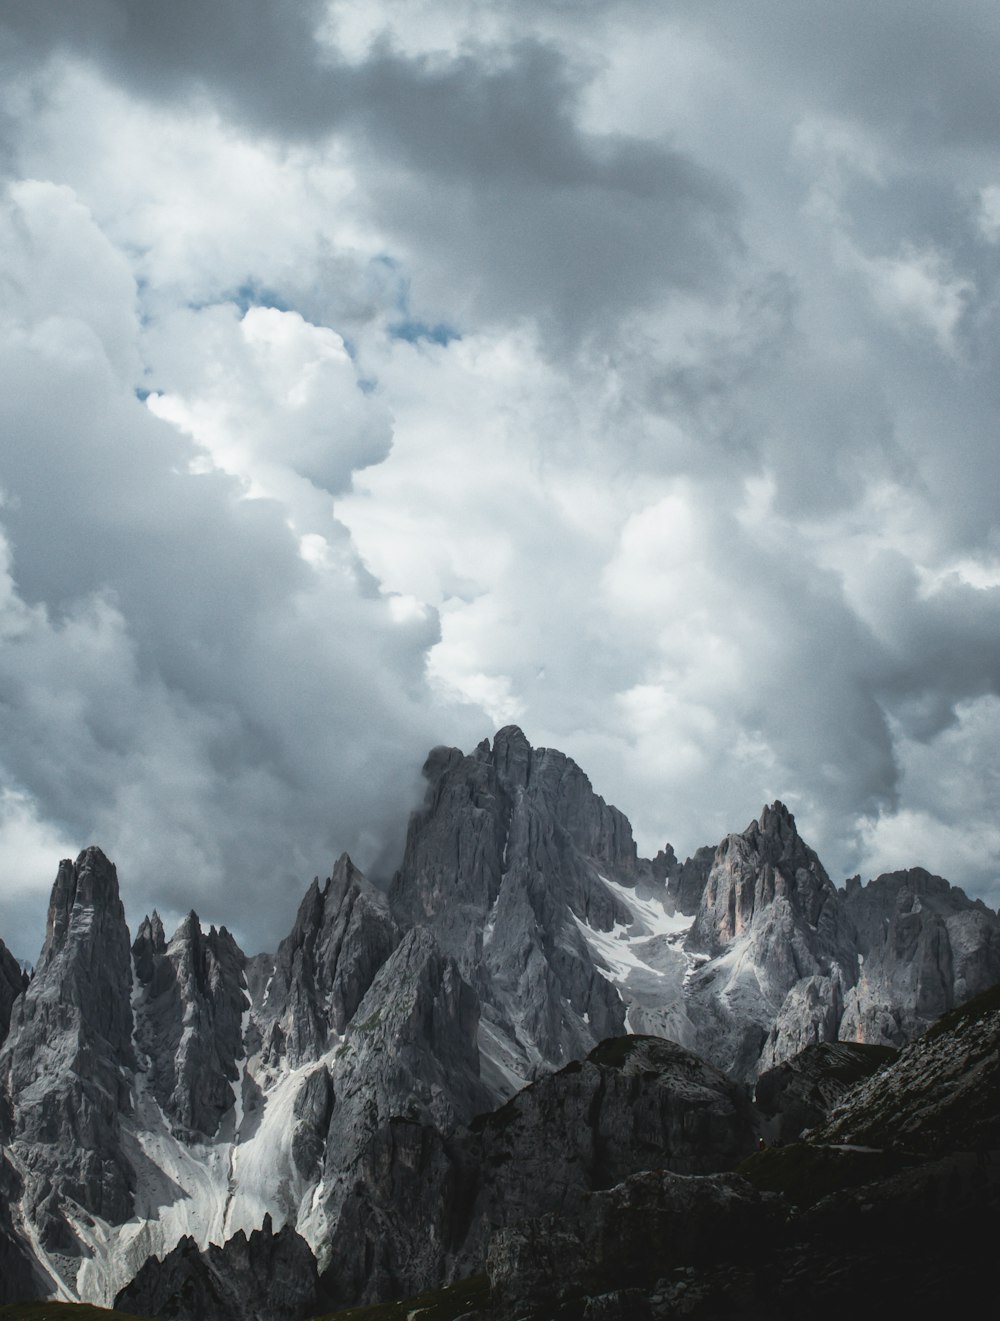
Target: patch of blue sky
[257, 295]
[413, 330]
[385, 270]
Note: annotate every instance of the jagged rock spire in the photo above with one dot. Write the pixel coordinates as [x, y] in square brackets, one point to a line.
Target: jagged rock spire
[68, 1057]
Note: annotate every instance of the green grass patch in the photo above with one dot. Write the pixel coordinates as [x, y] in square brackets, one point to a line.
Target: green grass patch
[435, 1305]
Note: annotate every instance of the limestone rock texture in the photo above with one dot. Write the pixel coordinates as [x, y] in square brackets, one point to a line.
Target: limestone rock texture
[343, 934]
[66, 1066]
[634, 1103]
[269, 1276]
[923, 948]
[799, 1093]
[13, 982]
[941, 1092]
[189, 1004]
[779, 946]
[19, 1275]
[507, 851]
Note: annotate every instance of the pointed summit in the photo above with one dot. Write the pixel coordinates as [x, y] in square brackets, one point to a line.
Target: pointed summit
[343, 933]
[512, 757]
[68, 1054]
[189, 1020]
[82, 889]
[776, 819]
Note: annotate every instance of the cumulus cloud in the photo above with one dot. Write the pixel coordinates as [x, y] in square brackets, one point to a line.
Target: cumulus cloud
[388, 372]
[183, 685]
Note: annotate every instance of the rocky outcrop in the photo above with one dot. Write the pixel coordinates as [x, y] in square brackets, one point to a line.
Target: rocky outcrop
[13, 982]
[780, 949]
[271, 1277]
[800, 1093]
[924, 947]
[941, 1093]
[343, 934]
[20, 1279]
[411, 1049]
[67, 1065]
[620, 1242]
[821, 1228]
[685, 881]
[508, 850]
[635, 1103]
[366, 1084]
[403, 1216]
[189, 1005]
[409, 1066]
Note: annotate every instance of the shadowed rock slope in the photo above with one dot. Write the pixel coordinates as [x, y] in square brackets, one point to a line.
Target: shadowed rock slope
[818, 1228]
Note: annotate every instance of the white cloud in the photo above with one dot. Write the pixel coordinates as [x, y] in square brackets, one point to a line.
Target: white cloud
[271, 397]
[918, 289]
[989, 213]
[703, 493]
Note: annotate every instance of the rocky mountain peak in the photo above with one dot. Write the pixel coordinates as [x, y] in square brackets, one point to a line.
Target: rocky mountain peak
[777, 821]
[343, 877]
[82, 889]
[189, 1007]
[512, 755]
[342, 935]
[13, 981]
[68, 1058]
[768, 895]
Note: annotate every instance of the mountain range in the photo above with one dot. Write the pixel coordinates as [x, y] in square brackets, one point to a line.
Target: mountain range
[530, 1019]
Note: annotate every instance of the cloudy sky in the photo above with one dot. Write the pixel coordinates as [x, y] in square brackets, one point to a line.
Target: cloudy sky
[375, 373]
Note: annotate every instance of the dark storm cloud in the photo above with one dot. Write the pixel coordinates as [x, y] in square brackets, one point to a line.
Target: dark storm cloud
[260, 55]
[177, 683]
[924, 70]
[478, 157]
[816, 187]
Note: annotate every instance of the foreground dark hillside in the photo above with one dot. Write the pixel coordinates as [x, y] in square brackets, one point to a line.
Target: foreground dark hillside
[836, 1225]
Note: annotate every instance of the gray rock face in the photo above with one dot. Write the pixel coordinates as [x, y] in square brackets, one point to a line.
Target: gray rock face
[685, 881]
[627, 1237]
[635, 1102]
[411, 1049]
[941, 1093]
[19, 1279]
[509, 847]
[188, 1009]
[268, 1276]
[343, 934]
[66, 1067]
[408, 1071]
[348, 1084]
[801, 1092]
[768, 897]
[925, 947]
[13, 982]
